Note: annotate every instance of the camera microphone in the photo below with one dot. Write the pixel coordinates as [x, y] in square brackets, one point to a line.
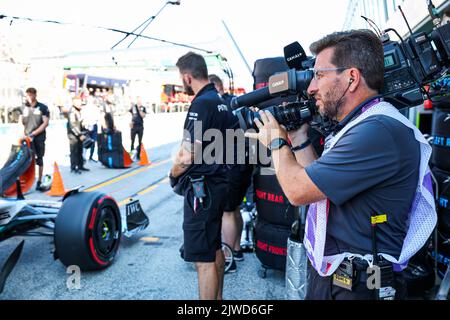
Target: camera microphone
[295, 56]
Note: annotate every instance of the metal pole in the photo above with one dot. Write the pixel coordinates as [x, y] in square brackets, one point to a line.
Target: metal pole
[386, 13]
[237, 47]
[148, 23]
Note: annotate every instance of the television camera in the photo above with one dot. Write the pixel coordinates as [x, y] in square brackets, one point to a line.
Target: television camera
[414, 71]
[293, 82]
[414, 67]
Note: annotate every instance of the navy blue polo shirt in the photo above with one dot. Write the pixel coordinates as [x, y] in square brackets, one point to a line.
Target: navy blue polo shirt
[208, 111]
[227, 98]
[373, 168]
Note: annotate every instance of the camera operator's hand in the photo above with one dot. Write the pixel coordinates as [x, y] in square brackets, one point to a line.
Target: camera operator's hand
[299, 136]
[269, 129]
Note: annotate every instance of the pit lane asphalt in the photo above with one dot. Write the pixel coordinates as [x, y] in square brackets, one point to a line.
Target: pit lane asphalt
[147, 266]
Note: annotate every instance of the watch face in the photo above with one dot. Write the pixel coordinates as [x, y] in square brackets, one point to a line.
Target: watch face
[277, 144]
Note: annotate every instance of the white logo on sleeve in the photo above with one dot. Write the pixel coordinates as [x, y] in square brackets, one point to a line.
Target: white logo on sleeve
[193, 116]
[222, 107]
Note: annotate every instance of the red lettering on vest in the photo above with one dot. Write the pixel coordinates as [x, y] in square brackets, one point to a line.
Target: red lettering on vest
[261, 245]
[278, 251]
[272, 197]
[279, 199]
[261, 194]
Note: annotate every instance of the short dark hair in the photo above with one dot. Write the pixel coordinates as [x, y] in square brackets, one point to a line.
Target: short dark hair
[447, 12]
[360, 49]
[194, 64]
[31, 90]
[216, 80]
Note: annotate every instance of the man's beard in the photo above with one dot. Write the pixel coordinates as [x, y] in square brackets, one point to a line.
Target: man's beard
[30, 102]
[333, 101]
[188, 89]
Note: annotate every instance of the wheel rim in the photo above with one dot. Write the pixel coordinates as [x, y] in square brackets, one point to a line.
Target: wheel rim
[105, 233]
[228, 255]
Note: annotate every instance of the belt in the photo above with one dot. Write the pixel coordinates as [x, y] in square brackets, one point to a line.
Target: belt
[360, 268]
[359, 264]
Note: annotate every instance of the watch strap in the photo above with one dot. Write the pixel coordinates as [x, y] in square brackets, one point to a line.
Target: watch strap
[302, 146]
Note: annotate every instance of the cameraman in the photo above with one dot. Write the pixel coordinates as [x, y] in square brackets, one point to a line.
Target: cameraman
[373, 163]
[202, 183]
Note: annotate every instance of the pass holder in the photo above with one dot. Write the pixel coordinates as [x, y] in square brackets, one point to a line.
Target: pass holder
[344, 275]
[198, 186]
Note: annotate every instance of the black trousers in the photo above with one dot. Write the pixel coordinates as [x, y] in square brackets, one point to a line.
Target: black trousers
[322, 288]
[93, 135]
[76, 152]
[139, 131]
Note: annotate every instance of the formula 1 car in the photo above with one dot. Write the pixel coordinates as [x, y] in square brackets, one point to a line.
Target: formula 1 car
[86, 226]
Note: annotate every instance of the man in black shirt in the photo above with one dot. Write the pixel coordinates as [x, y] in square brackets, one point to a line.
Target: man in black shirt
[202, 181]
[218, 83]
[239, 180]
[76, 135]
[35, 117]
[138, 113]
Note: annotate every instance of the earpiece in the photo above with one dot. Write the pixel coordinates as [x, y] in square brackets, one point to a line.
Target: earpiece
[351, 80]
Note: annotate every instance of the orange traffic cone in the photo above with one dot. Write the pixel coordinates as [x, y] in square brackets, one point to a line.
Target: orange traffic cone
[143, 155]
[127, 162]
[57, 188]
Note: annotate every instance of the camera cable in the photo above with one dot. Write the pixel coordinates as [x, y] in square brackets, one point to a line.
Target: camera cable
[335, 124]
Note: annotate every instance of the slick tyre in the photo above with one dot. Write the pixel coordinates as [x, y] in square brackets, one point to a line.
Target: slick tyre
[88, 231]
[228, 255]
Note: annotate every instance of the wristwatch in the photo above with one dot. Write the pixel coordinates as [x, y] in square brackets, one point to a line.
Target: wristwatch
[277, 144]
[302, 146]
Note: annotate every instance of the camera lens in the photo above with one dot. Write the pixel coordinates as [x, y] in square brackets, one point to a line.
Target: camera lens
[292, 116]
